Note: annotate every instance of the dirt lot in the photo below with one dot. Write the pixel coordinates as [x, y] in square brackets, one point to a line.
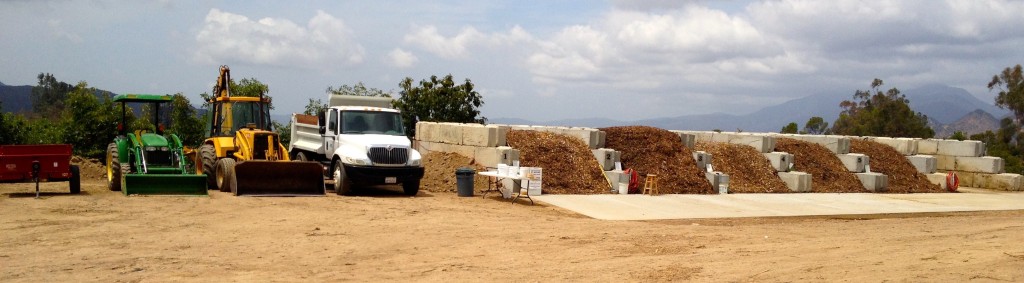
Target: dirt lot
[383, 236]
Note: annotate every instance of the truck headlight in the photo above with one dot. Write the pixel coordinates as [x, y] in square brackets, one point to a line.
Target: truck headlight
[355, 160]
[415, 162]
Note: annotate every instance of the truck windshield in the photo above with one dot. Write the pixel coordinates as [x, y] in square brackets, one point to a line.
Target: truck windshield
[237, 114]
[371, 122]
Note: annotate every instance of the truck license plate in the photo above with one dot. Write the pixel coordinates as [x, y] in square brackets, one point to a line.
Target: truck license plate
[390, 180]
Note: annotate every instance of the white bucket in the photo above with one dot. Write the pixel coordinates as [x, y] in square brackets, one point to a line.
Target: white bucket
[502, 169]
[623, 188]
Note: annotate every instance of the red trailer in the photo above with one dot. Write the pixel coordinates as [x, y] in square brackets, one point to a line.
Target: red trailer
[38, 163]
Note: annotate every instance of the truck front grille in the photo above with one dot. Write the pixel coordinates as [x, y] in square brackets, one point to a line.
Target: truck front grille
[389, 155]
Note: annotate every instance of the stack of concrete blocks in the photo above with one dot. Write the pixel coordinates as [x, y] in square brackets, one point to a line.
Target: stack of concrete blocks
[592, 137]
[968, 160]
[925, 164]
[486, 145]
[765, 143]
[856, 163]
[607, 158]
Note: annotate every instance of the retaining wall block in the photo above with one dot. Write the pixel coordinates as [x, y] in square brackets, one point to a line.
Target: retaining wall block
[781, 161]
[799, 182]
[983, 164]
[874, 182]
[703, 159]
[960, 148]
[855, 162]
[925, 164]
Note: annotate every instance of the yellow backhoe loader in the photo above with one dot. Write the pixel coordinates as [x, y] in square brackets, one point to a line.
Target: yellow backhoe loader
[244, 156]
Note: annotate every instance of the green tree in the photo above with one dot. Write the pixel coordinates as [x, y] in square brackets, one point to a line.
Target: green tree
[48, 96]
[1003, 144]
[789, 128]
[250, 87]
[358, 89]
[876, 113]
[438, 100]
[185, 122]
[816, 126]
[88, 124]
[315, 107]
[284, 132]
[1010, 83]
[958, 135]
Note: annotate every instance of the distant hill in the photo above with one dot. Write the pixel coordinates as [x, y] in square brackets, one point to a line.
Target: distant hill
[944, 104]
[16, 98]
[976, 122]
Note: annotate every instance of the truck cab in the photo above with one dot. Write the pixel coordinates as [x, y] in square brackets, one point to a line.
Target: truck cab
[360, 145]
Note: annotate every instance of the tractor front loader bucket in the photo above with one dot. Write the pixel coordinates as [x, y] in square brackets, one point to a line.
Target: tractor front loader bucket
[279, 178]
[164, 184]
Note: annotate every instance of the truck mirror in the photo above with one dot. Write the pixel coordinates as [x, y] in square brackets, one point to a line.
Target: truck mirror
[322, 129]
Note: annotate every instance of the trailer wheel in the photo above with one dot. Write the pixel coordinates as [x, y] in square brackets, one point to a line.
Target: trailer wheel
[342, 185]
[113, 168]
[411, 187]
[209, 159]
[76, 180]
[226, 175]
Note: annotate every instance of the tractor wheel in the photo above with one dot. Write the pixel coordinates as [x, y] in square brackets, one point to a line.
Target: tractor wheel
[125, 170]
[411, 187]
[342, 185]
[226, 175]
[113, 168]
[209, 159]
[76, 180]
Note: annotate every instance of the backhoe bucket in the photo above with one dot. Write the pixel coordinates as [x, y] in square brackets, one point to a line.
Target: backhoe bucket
[164, 184]
[279, 178]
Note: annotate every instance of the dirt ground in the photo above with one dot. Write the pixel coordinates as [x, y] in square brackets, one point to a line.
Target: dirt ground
[381, 235]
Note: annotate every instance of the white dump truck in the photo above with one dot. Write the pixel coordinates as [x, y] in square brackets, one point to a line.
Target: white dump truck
[361, 141]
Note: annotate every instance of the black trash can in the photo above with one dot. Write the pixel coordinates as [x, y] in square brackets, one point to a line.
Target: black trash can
[464, 181]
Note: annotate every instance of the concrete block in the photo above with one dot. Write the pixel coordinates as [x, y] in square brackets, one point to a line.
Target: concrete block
[602, 137]
[501, 132]
[764, 144]
[799, 182]
[855, 162]
[1005, 182]
[615, 178]
[960, 148]
[450, 133]
[938, 179]
[875, 182]
[984, 164]
[925, 164]
[906, 146]
[479, 135]
[836, 144]
[781, 161]
[703, 159]
[719, 181]
[423, 131]
[928, 146]
[492, 156]
[606, 157]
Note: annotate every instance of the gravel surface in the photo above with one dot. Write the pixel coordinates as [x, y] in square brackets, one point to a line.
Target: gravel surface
[903, 177]
[652, 150]
[749, 171]
[569, 165]
[828, 175]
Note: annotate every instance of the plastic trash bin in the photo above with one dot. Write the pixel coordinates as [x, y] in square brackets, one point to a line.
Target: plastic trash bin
[464, 181]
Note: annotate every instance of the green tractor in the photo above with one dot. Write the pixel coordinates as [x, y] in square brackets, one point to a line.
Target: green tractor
[142, 162]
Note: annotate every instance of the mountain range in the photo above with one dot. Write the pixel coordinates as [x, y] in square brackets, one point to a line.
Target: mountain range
[948, 109]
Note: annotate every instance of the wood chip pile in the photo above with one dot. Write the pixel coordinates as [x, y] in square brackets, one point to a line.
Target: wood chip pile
[569, 165]
[828, 175]
[903, 177]
[749, 171]
[652, 150]
[439, 175]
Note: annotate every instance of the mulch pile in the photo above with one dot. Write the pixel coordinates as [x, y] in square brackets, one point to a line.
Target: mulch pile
[828, 175]
[749, 171]
[903, 177]
[439, 172]
[652, 150]
[569, 165]
[90, 168]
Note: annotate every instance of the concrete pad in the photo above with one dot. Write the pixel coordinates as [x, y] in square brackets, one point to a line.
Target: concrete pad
[874, 182]
[983, 164]
[781, 161]
[854, 162]
[799, 182]
[644, 207]
[925, 164]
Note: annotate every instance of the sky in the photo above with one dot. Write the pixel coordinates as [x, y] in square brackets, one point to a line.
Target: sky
[536, 60]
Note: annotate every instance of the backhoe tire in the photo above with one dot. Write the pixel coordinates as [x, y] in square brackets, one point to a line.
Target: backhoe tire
[226, 175]
[113, 168]
[342, 185]
[75, 183]
[208, 155]
[411, 187]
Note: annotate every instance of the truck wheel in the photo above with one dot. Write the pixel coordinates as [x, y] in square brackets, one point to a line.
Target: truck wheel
[226, 174]
[76, 180]
[113, 168]
[301, 157]
[342, 185]
[411, 187]
[209, 159]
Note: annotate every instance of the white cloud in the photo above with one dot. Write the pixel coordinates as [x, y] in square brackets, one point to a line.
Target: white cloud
[401, 58]
[429, 39]
[323, 42]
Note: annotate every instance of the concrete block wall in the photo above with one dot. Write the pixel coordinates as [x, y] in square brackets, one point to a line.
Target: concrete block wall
[836, 144]
[761, 142]
[983, 164]
[462, 134]
[798, 182]
[906, 146]
[950, 147]
[592, 137]
[1002, 182]
[781, 161]
[855, 162]
[874, 182]
[925, 164]
[687, 138]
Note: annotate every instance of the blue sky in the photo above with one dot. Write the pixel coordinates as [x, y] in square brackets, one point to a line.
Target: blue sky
[538, 60]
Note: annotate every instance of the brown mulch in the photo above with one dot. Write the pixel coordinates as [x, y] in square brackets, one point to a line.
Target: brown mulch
[569, 165]
[828, 175]
[90, 168]
[652, 150]
[439, 172]
[749, 171]
[903, 177]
